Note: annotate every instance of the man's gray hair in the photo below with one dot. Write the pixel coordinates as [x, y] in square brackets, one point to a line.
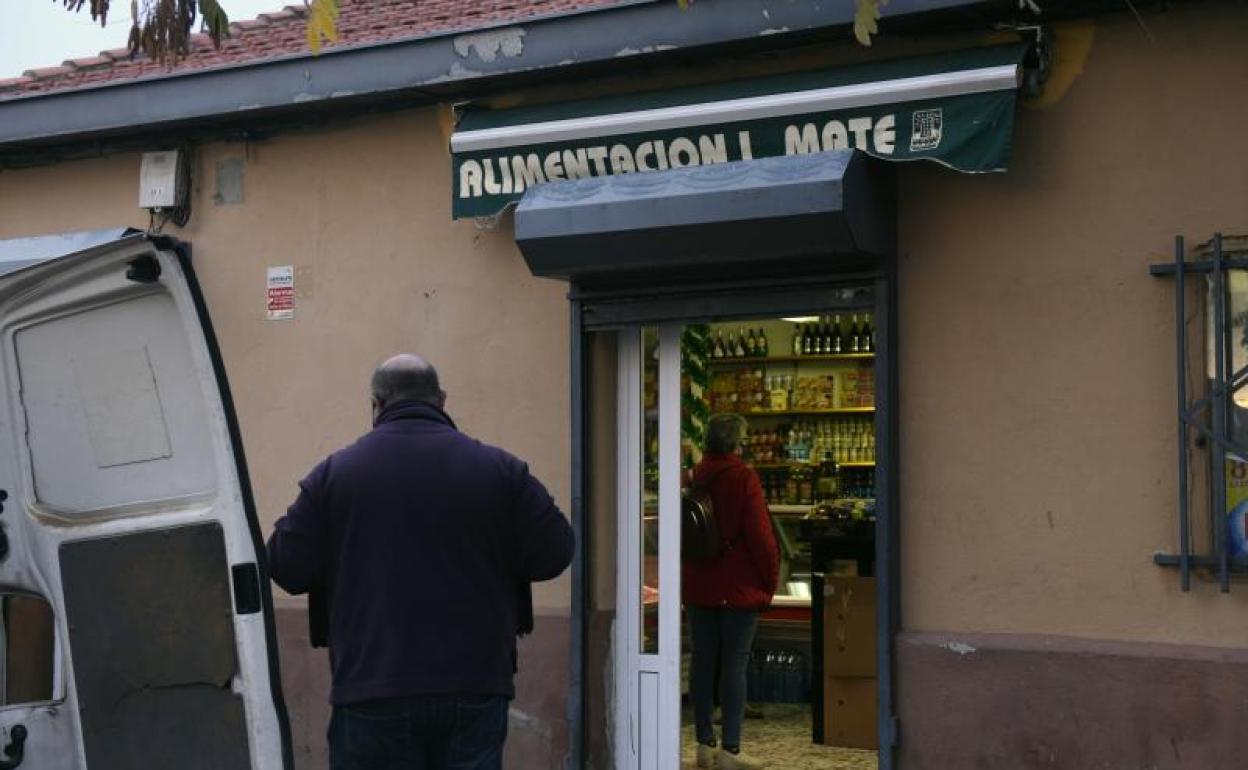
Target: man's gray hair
[725, 433]
[406, 377]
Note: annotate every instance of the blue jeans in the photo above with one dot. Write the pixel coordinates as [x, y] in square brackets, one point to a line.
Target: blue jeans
[427, 732]
[722, 634]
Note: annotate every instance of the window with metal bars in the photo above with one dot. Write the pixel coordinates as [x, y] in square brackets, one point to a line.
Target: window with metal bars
[1211, 345]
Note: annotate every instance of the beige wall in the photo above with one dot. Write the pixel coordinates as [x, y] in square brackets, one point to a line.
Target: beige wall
[1037, 363]
[1037, 359]
[363, 213]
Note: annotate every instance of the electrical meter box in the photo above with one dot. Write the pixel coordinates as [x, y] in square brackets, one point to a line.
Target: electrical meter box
[160, 180]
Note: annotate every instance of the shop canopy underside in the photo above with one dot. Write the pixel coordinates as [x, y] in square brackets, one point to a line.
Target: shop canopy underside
[954, 108]
[775, 214]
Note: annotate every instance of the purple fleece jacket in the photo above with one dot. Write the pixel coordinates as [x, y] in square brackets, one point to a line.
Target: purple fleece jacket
[422, 538]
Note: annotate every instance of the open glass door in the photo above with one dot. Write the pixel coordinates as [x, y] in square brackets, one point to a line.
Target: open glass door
[648, 646]
[800, 378]
[135, 621]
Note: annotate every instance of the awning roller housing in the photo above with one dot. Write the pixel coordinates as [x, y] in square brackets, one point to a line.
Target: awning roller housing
[955, 108]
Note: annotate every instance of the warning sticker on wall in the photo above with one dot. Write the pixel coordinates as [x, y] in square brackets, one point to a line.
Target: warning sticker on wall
[280, 292]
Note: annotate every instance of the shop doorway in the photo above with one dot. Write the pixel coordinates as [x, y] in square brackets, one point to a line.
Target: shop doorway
[808, 381]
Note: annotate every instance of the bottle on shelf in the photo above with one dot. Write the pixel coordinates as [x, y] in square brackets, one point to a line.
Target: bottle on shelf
[751, 345]
[738, 349]
[808, 340]
[717, 347]
[853, 335]
[866, 335]
[762, 343]
[838, 341]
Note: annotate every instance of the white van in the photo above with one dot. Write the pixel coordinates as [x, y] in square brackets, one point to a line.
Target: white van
[136, 623]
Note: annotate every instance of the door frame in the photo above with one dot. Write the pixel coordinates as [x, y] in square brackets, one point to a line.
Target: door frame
[593, 311]
[648, 683]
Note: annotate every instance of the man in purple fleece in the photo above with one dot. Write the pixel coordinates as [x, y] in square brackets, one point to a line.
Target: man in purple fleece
[425, 542]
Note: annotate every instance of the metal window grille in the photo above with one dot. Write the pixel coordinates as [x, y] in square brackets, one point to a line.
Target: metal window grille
[1208, 414]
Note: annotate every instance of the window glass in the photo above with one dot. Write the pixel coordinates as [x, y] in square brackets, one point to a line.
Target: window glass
[27, 649]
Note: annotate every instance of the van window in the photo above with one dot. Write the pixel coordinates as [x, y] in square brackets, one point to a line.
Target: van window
[27, 649]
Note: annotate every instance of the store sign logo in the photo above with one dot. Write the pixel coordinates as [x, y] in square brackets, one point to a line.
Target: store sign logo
[926, 129]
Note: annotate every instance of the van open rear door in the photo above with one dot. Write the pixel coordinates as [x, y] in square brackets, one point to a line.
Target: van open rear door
[136, 624]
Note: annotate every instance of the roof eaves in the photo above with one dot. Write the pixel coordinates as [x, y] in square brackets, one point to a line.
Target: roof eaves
[446, 62]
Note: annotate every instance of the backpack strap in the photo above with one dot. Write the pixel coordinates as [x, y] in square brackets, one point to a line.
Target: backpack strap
[710, 479]
[726, 545]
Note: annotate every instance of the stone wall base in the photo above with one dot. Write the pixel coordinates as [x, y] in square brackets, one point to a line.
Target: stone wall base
[1018, 702]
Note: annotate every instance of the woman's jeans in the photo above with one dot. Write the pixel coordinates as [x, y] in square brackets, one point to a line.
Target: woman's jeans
[724, 635]
[428, 732]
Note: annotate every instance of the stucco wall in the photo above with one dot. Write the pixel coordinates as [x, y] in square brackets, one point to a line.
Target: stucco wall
[1037, 367]
[363, 214]
[1037, 354]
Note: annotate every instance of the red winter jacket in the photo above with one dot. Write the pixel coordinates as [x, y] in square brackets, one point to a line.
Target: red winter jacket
[745, 574]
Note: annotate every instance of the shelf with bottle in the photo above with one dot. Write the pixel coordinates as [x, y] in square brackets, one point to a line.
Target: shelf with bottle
[811, 412]
[816, 485]
[842, 440]
[830, 358]
[784, 509]
[740, 346]
[800, 463]
[829, 336]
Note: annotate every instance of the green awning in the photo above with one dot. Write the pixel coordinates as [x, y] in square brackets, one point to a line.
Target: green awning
[955, 108]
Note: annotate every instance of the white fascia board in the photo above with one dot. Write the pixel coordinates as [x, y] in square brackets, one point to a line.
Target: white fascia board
[1005, 77]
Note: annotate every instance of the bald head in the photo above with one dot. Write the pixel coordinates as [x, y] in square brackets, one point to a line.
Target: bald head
[406, 377]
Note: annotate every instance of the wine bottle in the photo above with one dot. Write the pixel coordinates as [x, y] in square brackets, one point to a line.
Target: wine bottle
[838, 340]
[854, 334]
[866, 336]
[738, 349]
[797, 339]
[717, 349]
[762, 343]
[808, 341]
[751, 345]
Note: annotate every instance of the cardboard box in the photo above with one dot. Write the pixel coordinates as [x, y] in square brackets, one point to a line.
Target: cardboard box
[849, 627]
[849, 712]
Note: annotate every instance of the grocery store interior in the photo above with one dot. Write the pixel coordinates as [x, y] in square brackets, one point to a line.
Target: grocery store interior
[805, 384]
[806, 387]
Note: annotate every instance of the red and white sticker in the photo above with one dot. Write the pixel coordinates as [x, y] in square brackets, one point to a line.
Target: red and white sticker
[280, 292]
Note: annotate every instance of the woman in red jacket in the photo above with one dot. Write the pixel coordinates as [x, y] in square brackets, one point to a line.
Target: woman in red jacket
[723, 598]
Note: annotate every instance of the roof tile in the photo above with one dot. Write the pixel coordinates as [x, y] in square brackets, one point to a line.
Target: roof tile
[47, 72]
[281, 33]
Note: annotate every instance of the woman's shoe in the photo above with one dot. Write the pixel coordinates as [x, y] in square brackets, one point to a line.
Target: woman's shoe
[730, 761]
[706, 755]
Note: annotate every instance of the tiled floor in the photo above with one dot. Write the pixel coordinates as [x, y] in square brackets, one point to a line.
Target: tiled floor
[782, 737]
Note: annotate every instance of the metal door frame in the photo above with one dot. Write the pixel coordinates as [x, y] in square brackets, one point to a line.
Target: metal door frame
[780, 296]
[647, 692]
